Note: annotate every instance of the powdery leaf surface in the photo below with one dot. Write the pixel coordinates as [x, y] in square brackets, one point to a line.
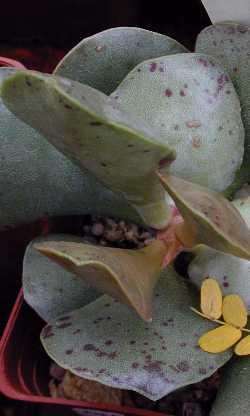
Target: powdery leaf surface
[120, 149]
[191, 100]
[103, 60]
[229, 42]
[50, 290]
[105, 341]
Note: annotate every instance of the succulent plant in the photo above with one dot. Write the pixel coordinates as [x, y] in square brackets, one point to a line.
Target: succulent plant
[128, 119]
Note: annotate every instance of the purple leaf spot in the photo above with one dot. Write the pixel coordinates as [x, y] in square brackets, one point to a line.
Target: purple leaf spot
[64, 325]
[183, 366]
[152, 66]
[109, 342]
[182, 93]
[135, 365]
[132, 342]
[68, 352]
[64, 318]
[89, 347]
[225, 284]
[202, 371]
[168, 92]
[77, 331]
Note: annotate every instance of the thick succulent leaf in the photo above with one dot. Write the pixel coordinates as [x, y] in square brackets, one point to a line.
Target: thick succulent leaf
[127, 275]
[122, 151]
[110, 344]
[233, 396]
[190, 99]
[103, 60]
[209, 217]
[36, 180]
[229, 42]
[48, 289]
[231, 272]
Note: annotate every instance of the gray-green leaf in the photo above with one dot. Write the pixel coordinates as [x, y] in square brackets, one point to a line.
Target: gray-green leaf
[120, 150]
[36, 180]
[50, 290]
[103, 60]
[230, 42]
[233, 396]
[190, 99]
[104, 341]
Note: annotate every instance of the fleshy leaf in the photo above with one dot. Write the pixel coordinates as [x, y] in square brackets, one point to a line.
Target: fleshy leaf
[127, 275]
[32, 172]
[103, 60]
[234, 311]
[233, 396]
[219, 339]
[211, 299]
[120, 150]
[229, 43]
[48, 289]
[209, 217]
[107, 342]
[191, 100]
[243, 347]
[231, 272]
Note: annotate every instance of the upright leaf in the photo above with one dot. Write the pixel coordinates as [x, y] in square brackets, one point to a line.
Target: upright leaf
[209, 217]
[36, 180]
[119, 149]
[191, 100]
[229, 42]
[111, 344]
[128, 275]
[103, 60]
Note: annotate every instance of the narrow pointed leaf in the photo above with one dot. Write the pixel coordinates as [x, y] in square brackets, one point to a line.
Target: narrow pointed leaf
[128, 275]
[191, 100]
[243, 347]
[209, 217]
[103, 60]
[32, 172]
[229, 43]
[112, 345]
[234, 311]
[231, 272]
[233, 395]
[211, 299]
[48, 289]
[119, 149]
[219, 339]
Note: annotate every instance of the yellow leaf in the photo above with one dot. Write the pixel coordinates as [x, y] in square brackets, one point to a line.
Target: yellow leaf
[234, 311]
[243, 347]
[219, 339]
[211, 299]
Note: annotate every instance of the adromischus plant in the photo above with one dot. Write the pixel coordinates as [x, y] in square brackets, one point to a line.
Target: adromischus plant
[138, 115]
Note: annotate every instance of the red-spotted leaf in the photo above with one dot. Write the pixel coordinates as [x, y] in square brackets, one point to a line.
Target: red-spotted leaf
[104, 59]
[120, 149]
[107, 342]
[229, 43]
[209, 217]
[50, 290]
[127, 275]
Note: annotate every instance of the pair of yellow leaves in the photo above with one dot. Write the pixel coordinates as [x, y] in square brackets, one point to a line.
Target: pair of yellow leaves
[234, 313]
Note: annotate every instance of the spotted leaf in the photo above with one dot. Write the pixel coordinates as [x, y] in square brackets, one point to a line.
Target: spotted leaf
[107, 342]
[190, 99]
[231, 272]
[209, 217]
[32, 172]
[48, 289]
[119, 149]
[103, 60]
[229, 43]
[127, 275]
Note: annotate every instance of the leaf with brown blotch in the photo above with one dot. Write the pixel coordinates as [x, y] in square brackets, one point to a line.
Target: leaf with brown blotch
[128, 275]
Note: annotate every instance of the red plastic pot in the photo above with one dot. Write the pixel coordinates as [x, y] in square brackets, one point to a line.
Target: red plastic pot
[24, 366]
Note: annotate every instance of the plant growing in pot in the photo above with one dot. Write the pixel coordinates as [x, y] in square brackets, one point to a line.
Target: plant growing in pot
[131, 118]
